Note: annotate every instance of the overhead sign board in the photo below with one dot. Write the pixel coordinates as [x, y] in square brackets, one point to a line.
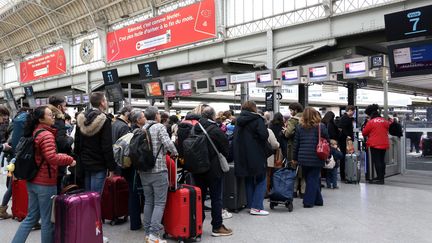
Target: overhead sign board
[409, 24]
[153, 89]
[202, 85]
[185, 88]
[269, 101]
[148, 70]
[114, 93]
[243, 78]
[170, 89]
[110, 76]
[183, 26]
[48, 65]
[357, 68]
[318, 72]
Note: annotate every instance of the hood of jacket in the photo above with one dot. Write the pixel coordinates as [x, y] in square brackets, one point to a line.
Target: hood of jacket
[91, 122]
[246, 117]
[56, 112]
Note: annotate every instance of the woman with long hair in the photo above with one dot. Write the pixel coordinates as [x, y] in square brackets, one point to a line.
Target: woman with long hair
[329, 121]
[44, 185]
[250, 136]
[306, 138]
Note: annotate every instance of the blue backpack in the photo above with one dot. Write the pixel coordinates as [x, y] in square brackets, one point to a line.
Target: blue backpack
[18, 124]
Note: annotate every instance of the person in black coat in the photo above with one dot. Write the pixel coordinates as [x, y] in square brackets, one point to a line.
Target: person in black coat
[121, 125]
[93, 143]
[277, 125]
[329, 121]
[212, 179]
[57, 104]
[306, 141]
[346, 130]
[250, 136]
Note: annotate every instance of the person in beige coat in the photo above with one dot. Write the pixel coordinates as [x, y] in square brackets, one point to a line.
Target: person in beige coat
[270, 160]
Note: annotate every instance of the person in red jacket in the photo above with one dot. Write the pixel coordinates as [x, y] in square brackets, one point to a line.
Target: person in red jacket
[376, 131]
[44, 185]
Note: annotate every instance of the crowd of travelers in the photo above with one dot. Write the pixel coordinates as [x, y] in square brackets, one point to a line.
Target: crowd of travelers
[82, 152]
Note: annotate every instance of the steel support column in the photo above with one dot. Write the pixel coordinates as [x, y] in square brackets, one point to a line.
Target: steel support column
[303, 95]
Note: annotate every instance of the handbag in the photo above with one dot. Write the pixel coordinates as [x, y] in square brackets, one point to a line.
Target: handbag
[222, 160]
[323, 147]
[330, 163]
[278, 158]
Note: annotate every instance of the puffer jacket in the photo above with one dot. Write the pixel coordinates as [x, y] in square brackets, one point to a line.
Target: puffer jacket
[45, 151]
[306, 140]
[250, 137]
[93, 141]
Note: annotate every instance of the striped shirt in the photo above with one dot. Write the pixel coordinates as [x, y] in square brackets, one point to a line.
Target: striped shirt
[160, 137]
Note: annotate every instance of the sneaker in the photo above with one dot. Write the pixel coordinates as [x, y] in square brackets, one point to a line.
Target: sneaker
[226, 214]
[105, 239]
[258, 212]
[154, 239]
[222, 231]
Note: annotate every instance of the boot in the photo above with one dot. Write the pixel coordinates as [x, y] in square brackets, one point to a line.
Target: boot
[3, 213]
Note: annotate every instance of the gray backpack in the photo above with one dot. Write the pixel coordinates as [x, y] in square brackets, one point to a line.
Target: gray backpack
[121, 151]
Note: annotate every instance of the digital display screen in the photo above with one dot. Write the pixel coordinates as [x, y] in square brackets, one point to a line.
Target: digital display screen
[86, 99]
[411, 59]
[77, 99]
[69, 100]
[42, 101]
[221, 82]
[355, 67]
[114, 92]
[148, 70]
[185, 86]
[264, 78]
[110, 77]
[38, 102]
[318, 72]
[170, 87]
[409, 23]
[290, 75]
[153, 88]
[203, 84]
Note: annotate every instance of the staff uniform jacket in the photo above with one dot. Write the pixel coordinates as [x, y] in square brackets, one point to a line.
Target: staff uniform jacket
[93, 141]
[306, 140]
[250, 136]
[376, 131]
[45, 151]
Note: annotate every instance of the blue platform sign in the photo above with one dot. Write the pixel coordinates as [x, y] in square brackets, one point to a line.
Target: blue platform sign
[409, 24]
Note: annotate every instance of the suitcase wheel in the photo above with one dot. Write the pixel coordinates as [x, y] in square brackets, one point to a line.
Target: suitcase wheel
[197, 239]
[290, 206]
[272, 205]
[180, 241]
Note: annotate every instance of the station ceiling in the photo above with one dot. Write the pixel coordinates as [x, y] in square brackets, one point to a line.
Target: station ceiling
[27, 26]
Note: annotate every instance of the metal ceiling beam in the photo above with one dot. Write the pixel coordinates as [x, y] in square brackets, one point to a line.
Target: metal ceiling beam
[47, 14]
[48, 8]
[30, 29]
[68, 23]
[33, 21]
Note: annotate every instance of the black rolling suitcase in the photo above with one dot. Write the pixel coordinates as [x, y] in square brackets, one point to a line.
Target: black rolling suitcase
[426, 146]
[234, 194]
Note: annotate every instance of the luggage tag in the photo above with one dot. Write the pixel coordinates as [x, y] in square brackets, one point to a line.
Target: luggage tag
[53, 198]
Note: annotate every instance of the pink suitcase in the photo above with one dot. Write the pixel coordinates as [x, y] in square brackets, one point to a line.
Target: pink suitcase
[78, 218]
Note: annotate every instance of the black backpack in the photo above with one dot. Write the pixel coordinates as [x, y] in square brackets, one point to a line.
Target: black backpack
[141, 150]
[25, 163]
[395, 129]
[196, 156]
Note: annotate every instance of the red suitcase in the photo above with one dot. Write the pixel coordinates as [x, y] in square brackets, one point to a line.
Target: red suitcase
[183, 212]
[115, 199]
[172, 170]
[19, 199]
[78, 218]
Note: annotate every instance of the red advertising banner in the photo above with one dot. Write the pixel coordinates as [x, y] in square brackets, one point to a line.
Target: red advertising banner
[51, 64]
[193, 23]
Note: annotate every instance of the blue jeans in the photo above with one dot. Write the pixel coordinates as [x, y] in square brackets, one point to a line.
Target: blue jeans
[215, 187]
[94, 181]
[8, 194]
[312, 194]
[155, 187]
[331, 177]
[40, 204]
[256, 187]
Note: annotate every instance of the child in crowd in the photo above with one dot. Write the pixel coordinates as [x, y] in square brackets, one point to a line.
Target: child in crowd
[331, 177]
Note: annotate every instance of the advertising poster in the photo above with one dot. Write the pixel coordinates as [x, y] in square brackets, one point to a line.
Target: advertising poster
[50, 64]
[191, 24]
